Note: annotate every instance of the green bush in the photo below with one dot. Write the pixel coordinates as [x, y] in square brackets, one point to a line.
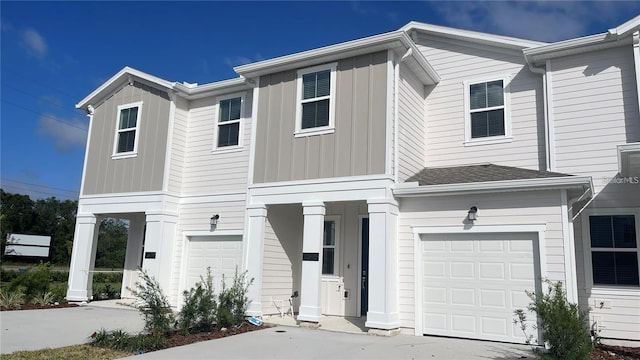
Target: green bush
[158, 316]
[11, 299]
[233, 302]
[34, 282]
[198, 314]
[8, 275]
[59, 276]
[565, 328]
[59, 291]
[120, 340]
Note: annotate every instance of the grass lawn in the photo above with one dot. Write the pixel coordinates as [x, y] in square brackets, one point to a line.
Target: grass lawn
[76, 352]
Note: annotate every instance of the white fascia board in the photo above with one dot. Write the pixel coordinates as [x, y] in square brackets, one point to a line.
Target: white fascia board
[116, 80]
[626, 27]
[575, 46]
[412, 189]
[472, 36]
[626, 148]
[391, 40]
[215, 88]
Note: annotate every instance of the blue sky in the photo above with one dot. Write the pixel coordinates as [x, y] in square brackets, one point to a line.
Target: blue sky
[55, 53]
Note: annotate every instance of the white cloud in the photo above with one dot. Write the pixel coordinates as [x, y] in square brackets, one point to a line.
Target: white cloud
[34, 42]
[66, 133]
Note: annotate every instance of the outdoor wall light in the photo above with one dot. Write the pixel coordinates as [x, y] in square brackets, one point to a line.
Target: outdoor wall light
[472, 215]
[214, 220]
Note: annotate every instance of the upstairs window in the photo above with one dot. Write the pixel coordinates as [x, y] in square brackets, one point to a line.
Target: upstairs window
[316, 100]
[614, 250]
[128, 123]
[229, 121]
[487, 116]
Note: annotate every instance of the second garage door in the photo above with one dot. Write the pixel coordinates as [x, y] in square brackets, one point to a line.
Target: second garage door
[472, 283]
[221, 253]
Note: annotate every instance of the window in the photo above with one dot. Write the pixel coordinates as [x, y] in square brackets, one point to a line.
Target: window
[614, 250]
[316, 100]
[229, 121]
[128, 122]
[329, 248]
[487, 115]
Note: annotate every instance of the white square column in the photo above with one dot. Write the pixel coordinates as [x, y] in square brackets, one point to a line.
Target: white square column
[83, 257]
[133, 255]
[257, 215]
[383, 265]
[158, 249]
[310, 296]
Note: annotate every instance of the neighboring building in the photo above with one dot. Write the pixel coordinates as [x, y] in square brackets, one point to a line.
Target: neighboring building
[423, 178]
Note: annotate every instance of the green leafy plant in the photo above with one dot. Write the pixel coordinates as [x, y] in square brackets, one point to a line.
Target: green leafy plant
[154, 306]
[564, 326]
[59, 291]
[11, 299]
[233, 302]
[35, 281]
[198, 314]
[44, 299]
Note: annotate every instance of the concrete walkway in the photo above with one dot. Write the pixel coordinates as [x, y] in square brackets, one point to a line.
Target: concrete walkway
[285, 342]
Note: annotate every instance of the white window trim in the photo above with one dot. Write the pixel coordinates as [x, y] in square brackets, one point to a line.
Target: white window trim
[128, 154]
[299, 132]
[337, 270]
[507, 137]
[588, 270]
[241, 121]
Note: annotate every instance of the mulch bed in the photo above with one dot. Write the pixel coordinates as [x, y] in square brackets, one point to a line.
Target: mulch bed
[606, 352]
[179, 340]
[38, 307]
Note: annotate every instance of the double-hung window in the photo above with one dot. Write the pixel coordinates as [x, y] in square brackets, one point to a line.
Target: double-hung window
[487, 112]
[329, 248]
[614, 250]
[316, 100]
[229, 122]
[127, 126]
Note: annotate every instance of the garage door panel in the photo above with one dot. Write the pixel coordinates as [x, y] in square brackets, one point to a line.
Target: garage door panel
[220, 253]
[472, 288]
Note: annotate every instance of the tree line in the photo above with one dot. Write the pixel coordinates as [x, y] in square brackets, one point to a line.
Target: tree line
[19, 214]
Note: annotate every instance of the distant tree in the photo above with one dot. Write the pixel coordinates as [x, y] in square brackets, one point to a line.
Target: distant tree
[57, 219]
[17, 215]
[112, 243]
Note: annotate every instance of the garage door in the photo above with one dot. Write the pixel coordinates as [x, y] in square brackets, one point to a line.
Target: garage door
[221, 253]
[472, 283]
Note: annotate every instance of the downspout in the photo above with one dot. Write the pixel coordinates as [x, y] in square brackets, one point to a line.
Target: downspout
[90, 111]
[396, 106]
[545, 100]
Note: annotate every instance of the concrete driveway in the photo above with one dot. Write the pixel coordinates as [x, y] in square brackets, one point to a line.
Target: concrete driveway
[297, 343]
[40, 329]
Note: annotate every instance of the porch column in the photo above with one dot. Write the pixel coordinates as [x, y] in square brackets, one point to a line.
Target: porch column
[383, 265]
[158, 248]
[83, 257]
[310, 306]
[257, 214]
[133, 256]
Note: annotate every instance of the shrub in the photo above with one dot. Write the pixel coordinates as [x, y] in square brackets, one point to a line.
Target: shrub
[59, 292]
[198, 314]
[564, 326]
[59, 276]
[233, 301]
[35, 281]
[11, 299]
[120, 340]
[43, 299]
[8, 275]
[155, 309]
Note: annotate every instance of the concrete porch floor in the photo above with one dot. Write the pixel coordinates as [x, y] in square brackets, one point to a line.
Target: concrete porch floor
[353, 325]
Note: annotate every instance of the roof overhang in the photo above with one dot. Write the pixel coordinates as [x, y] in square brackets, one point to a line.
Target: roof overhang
[582, 183]
[629, 159]
[618, 36]
[188, 91]
[472, 36]
[397, 41]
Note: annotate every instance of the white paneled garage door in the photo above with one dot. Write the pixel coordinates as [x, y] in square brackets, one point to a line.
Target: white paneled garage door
[221, 253]
[472, 283]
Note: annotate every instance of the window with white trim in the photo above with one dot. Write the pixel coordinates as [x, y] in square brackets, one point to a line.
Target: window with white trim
[229, 121]
[487, 111]
[329, 248]
[127, 125]
[316, 100]
[614, 250]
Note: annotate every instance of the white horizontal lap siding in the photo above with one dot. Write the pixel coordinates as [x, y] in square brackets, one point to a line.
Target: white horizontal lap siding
[456, 62]
[594, 110]
[206, 172]
[195, 217]
[535, 207]
[277, 279]
[178, 146]
[411, 125]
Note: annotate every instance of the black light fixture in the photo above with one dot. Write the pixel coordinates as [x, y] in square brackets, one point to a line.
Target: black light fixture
[214, 220]
[472, 215]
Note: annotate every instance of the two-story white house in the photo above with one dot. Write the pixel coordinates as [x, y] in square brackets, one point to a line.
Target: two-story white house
[422, 179]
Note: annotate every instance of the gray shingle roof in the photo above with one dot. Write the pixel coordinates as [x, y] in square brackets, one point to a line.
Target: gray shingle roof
[477, 173]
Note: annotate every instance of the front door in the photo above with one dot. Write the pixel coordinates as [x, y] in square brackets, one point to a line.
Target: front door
[364, 272]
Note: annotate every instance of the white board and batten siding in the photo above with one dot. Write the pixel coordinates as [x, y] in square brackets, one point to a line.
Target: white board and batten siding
[411, 125]
[456, 62]
[534, 208]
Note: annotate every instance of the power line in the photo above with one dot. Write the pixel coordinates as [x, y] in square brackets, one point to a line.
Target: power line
[49, 193]
[38, 185]
[45, 116]
[39, 97]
